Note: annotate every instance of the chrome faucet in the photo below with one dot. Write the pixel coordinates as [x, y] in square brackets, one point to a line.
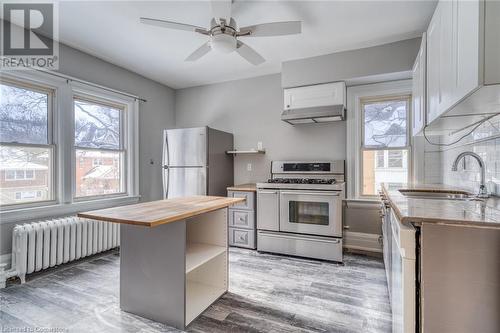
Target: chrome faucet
[483, 193]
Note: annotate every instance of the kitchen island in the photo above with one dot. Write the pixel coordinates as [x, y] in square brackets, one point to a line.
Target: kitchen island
[173, 256]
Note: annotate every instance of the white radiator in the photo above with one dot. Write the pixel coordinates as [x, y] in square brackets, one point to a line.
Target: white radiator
[44, 244]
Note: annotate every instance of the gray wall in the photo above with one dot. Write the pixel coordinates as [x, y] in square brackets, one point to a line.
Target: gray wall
[251, 109]
[372, 61]
[154, 115]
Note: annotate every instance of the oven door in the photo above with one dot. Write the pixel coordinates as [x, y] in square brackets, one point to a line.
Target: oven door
[311, 212]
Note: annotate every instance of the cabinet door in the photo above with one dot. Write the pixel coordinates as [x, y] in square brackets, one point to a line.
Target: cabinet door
[446, 56]
[418, 89]
[314, 96]
[466, 47]
[268, 210]
[433, 64]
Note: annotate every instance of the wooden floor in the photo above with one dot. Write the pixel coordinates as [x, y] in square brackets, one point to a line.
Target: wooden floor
[268, 293]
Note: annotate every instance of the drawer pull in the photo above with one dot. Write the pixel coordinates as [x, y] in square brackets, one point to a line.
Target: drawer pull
[242, 219]
[242, 238]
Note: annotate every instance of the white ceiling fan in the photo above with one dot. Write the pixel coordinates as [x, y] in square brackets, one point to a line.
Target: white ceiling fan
[224, 33]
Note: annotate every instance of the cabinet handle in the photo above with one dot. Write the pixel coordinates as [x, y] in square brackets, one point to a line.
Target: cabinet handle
[242, 238]
[319, 193]
[242, 219]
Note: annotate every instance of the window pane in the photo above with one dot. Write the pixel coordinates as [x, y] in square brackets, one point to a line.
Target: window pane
[25, 171]
[96, 126]
[380, 158]
[395, 159]
[23, 115]
[98, 179]
[385, 123]
[29, 174]
[373, 175]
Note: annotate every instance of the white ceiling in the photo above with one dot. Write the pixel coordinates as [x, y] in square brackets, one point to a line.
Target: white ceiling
[111, 31]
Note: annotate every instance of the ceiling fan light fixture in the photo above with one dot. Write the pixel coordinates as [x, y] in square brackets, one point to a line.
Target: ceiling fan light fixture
[224, 33]
[223, 43]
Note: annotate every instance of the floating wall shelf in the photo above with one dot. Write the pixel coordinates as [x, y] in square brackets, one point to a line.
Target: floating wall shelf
[250, 151]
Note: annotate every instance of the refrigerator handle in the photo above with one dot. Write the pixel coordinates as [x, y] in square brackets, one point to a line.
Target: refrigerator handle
[165, 148]
[165, 175]
[165, 164]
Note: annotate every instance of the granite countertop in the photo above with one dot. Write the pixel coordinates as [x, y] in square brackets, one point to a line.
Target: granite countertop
[249, 187]
[484, 213]
[155, 213]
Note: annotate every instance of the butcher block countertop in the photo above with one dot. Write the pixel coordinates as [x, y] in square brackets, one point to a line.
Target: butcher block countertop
[250, 187]
[155, 213]
[482, 213]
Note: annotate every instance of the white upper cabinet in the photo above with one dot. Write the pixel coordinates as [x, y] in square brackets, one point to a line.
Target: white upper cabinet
[418, 89]
[440, 65]
[315, 96]
[459, 51]
[433, 62]
[466, 20]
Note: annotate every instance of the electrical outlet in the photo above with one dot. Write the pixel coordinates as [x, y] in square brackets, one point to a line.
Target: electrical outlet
[249, 167]
[259, 145]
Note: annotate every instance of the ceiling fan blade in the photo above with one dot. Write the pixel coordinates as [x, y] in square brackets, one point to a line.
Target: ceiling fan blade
[199, 52]
[271, 29]
[221, 9]
[173, 25]
[249, 54]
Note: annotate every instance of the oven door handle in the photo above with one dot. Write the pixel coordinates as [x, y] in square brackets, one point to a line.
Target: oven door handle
[331, 194]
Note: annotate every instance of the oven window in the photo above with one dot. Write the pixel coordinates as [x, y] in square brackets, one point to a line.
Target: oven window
[309, 212]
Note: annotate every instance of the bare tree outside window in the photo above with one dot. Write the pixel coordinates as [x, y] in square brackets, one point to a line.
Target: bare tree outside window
[96, 126]
[385, 124]
[23, 115]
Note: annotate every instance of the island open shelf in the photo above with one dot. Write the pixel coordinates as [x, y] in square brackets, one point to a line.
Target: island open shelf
[206, 261]
[198, 254]
[173, 256]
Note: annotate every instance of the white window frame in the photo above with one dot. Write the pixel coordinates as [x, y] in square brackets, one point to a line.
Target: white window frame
[124, 107]
[355, 97]
[64, 162]
[50, 90]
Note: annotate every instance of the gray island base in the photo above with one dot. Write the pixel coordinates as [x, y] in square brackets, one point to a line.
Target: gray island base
[171, 272]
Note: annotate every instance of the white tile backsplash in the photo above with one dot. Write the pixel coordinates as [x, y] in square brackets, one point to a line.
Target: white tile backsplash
[484, 141]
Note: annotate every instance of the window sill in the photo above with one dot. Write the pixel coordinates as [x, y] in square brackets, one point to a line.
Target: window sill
[55, 210]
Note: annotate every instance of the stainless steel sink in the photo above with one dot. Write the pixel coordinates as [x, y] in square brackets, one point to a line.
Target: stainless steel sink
[438, 195]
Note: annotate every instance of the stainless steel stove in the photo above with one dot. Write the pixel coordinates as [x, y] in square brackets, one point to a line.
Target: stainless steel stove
[299, 209]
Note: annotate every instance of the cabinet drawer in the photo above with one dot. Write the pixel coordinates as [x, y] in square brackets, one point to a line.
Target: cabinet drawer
[249, 197]
[241, 219]
[242, 238]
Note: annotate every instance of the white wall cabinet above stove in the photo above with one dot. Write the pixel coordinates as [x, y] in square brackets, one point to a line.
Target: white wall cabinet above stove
[314, 96]
[463, 63]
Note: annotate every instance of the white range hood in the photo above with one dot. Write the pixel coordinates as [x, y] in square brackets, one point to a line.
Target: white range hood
[325, 114]
[321, 103]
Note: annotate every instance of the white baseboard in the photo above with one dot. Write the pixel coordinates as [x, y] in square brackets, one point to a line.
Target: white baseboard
[362, 241]
[6, 259]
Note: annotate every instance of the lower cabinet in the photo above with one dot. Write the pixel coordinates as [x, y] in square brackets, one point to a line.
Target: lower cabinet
[242, 224]
[242, 238]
